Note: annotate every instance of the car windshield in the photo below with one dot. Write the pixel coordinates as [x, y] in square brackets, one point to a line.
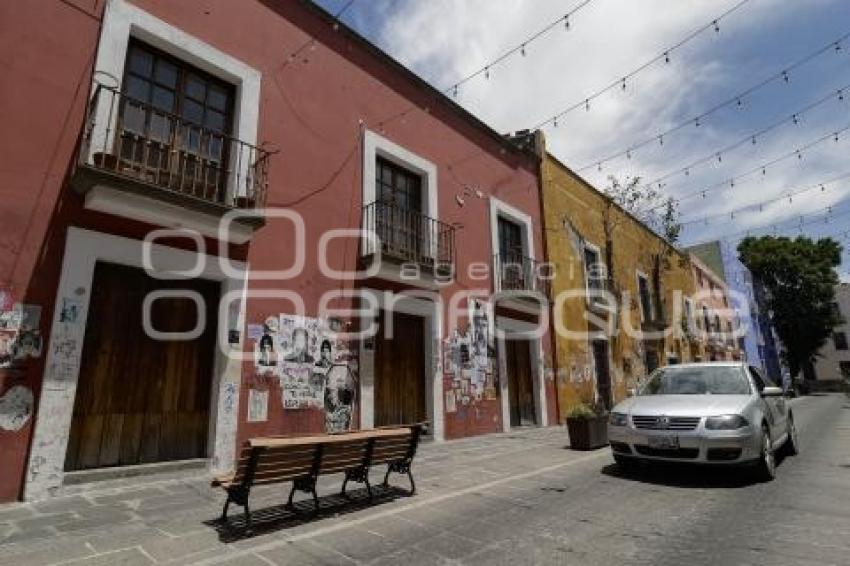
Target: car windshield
[703, 380]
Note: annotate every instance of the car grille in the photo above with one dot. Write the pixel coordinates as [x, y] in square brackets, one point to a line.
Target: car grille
[673, 423]
[682, 453]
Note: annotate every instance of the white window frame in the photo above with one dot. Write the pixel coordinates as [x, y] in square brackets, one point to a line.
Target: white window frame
[598, 251]
[638, 276]
[123, 21]
[500, 209]
[375, 146]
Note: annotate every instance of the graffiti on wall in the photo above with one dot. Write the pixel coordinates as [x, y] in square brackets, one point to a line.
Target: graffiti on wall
[314, 368]
[469, 360]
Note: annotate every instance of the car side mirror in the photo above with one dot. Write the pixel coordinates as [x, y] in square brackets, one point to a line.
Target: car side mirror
[772, 392]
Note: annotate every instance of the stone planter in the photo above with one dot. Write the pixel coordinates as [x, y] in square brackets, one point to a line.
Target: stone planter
[588, 434]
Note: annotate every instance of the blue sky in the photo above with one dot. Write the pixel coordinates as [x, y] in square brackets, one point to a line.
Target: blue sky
[443, 40]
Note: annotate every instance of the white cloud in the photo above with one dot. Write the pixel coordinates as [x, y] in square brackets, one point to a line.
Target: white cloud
[444, 40]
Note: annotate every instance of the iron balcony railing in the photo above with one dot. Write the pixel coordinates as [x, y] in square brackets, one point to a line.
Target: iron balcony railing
[515, 272]
[136, 140]
[408, 236]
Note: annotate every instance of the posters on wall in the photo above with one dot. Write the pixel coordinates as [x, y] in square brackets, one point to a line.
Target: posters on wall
[20, 338]
[314, 368]
[16, 406]
[469, 361]
[258, 405]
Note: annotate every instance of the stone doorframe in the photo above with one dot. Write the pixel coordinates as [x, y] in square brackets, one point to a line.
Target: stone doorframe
[430, 311]
[83, 249]
[535, 345]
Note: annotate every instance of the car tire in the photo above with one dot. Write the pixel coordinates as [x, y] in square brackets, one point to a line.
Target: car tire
[792, 443]
[766, 465]
[624, 462]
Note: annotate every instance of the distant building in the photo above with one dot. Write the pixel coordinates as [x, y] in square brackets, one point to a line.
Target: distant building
[833, 363]
[722, 258]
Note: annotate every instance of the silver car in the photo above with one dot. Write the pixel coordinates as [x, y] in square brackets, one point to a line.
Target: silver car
[707, 413]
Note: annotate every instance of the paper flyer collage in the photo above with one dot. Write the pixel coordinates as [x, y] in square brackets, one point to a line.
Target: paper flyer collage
[469, 361]
[314, 369]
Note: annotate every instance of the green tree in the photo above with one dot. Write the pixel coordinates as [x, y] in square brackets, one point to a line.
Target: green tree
[800, 278]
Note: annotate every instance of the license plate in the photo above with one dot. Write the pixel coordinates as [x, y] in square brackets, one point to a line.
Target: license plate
[664, 442]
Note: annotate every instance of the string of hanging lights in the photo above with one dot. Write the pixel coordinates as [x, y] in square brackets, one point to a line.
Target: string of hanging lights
[786, 197]
[762, 169]
[752, 138]
[521, 48]
[621, 83]
[819, 216]
[737, 100]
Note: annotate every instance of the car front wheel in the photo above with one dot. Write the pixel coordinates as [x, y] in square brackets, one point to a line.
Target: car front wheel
[792, 443]
[766, 466]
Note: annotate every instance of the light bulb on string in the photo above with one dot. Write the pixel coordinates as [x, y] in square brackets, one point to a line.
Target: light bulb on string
[660, 140]
[567, 22]
[719, 158]
[696, 121]
[840, 94]
[628, 154]
[587, 104]
[624, 83]
[454, 91]
[487, 72]
[716, 26]
[555, 122]
[799, 154]
[666, 56]
[740, 104]
[785, 76]
[837, 46]
[795, 119]
[754, 140]
[522, 50]
[764, 170]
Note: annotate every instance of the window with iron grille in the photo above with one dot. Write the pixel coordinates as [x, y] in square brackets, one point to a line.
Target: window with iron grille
[397, 186]
[175, 122]
[840, 340]
[594, 271]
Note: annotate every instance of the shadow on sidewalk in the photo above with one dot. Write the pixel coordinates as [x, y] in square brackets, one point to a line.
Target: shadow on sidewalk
[281, 517]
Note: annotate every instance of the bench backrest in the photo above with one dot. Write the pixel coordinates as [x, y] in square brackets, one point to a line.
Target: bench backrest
[279, 459]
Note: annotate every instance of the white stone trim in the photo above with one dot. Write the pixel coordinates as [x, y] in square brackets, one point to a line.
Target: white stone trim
[431, 312]
[122, 20]
[83, 250]
[537, 371]
[159, 213]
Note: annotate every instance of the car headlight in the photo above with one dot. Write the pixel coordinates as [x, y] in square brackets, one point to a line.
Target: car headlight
[726, 422]
[618, 419]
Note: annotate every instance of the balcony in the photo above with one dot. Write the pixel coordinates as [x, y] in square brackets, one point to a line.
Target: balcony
[517, 273]
[139, 162]
[408, 236]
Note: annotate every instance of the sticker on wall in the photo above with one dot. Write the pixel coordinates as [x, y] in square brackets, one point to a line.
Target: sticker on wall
[8, 347]
[71, 311]
[16, 406]
[339, 397]
[451, 406]
[258, 406]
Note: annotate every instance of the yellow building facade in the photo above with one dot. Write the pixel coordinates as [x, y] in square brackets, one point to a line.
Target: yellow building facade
[612, 325]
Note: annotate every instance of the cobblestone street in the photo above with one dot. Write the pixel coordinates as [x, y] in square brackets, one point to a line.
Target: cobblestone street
[519, 498]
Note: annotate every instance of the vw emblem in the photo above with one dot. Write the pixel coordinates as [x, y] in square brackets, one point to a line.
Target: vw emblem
[663, 422]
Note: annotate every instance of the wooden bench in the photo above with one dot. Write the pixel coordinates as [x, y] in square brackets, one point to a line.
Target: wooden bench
[301, 460]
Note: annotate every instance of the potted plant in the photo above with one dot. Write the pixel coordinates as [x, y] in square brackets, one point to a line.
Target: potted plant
[587, 426]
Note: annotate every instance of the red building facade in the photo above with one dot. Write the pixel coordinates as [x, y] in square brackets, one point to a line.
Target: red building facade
[209, 207]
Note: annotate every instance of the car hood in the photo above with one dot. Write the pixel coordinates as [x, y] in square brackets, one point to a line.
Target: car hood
[683, 405]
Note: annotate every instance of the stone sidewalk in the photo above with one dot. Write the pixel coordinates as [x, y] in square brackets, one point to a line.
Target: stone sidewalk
[173, 519]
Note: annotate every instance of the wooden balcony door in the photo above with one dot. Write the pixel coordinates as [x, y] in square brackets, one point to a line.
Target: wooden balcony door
[141, 400]
[520, 385]
[400, 393]
[603, 371]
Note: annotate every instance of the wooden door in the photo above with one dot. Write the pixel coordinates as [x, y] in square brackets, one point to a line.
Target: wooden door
[603, 371]
[520, 386]
[400, 394]
[138, 399]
